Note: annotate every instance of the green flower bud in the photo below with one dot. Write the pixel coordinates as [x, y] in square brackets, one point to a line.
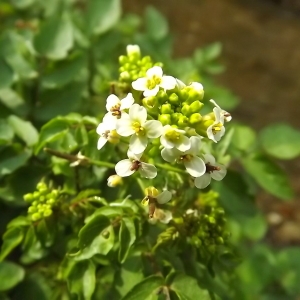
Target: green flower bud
[41, 186]
[175, 117]
[195, 118]
[34, 203]
[28, 197]
[186, 110]
[36, 195]
[50, 201]
[36, 216]
[123, 59]
[164, 119]
[32, 209]
[146, 59]
[42, 198]
[183, 121]
[174, 99]
[196, 106]
[166, 109]
[47, 213]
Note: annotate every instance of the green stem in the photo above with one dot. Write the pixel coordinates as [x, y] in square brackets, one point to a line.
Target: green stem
[101, 163]
[141, 184]
[170, 168]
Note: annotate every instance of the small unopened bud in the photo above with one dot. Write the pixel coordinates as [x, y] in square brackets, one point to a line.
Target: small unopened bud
[133, 50]
[164, 119]
[114, 180]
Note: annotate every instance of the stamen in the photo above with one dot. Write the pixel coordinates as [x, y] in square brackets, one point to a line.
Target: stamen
[210, 168]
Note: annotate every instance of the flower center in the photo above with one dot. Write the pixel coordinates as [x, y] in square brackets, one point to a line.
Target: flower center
[185, 158]
[210, 168]
[172, 135]
[135, 165]
[217, 128]
[139, 130]
[153, 82]
[115, 110]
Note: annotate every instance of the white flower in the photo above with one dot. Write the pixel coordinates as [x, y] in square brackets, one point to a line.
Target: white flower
[198, 87]
[133, 50]
[153, 81]
[216, 130]
[226, 115]
[135, 124]
[194, 165]
[106, 134]
[173, 137]
[115, 107]
[213, 170]
[127, 167]
[164, 216]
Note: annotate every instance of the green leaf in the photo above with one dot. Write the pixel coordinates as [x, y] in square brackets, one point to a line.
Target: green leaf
[82, 279]
[268, 175]
[55, 38]
[102, 15]
[11, 239]
[24, 130]
[64, 73]
[149, 286]
[156, 24]
[10, 275]
[187, 288]
[92, 229]
[281, 141]
[6, 132]
[22, 3]
[14, 161]
[6, 74]
[52, 131]
[127, 236]
[12, 100]
[244, 137]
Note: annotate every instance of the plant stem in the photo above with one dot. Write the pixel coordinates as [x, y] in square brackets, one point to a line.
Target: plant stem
[170, 168]
[100, 163]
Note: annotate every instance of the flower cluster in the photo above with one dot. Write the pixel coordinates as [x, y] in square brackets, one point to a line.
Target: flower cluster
[160, 119]
[41, 202]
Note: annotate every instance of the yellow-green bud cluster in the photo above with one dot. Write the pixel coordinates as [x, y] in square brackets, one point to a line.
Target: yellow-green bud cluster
[133, 66]
[41, 201]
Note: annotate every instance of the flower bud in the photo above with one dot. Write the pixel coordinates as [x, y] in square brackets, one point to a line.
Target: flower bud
[36, 216]
[196, 106]
[28, 197]
[183, 121]
[123, 59]
[164, 119]
[174, 99]
[186, 110]
[195, 118]
[114, 180]
[166, 109]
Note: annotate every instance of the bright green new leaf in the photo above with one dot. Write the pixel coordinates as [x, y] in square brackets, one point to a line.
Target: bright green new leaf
[156, 24]
[11, 239]
[10, 275]
[149, 286]
[281, 141]
[268, 175]
[92, 229]
[24, 130]
[127, 236]
[6, 74]
[244, 137]
[187, 288]
[102, 15]
[55, 38]
[6, 132]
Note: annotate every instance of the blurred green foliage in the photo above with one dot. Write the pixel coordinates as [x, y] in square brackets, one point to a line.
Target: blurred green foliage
[57, 61]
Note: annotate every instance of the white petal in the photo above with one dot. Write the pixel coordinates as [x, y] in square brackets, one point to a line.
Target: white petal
[140, 84]
[138, 113]
[154, 71]
[101, 142]
[164, 197]
[195, 167]
[127, 102]
[154, 129]
[168, 82]
[169, 155]
[148, 170]
[197, 86]
[184, 144]
[123, 168]
[124, 126]
[219, 134]
[166, 143]
[203, 181]
[167, 217]
[208, 158]
[110, 121]
[219, 175]
[150, 93]
[134, 156]
[195, 145]
[101, 128]
[138, 143]
[210, 134]
[180, 84]
[214, 103]
[111, 101]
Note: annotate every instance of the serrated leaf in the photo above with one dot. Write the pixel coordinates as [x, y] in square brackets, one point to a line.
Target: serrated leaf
[156, 24]
[149, 286]
[281, 141]
[11, 239]
[268, 175]
[24, 130]
[55, 38]
[127, 236]
[10, 275]
[6, 74]
[102, 15]
[187, 288]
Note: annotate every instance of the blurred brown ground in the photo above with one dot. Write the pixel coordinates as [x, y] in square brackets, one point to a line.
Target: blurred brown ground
[261, 40]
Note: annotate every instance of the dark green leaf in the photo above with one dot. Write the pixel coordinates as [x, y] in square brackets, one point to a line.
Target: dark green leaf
[102, 15]
[10, 275]
[156, 24]
[145, 288]
[11, 239]
[268, 175]
[187, 288]
[6, 132]
[55, 38]
[281, 141]
[127, 236]
[24, 130]
[6, 74]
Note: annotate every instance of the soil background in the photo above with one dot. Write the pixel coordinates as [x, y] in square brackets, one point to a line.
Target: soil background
[261, 52]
